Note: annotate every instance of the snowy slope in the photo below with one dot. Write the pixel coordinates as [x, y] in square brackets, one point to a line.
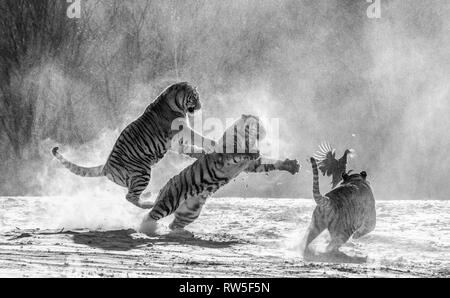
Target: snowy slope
[233, 237]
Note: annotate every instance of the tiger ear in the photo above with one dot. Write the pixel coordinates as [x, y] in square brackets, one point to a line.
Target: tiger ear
[363, 174]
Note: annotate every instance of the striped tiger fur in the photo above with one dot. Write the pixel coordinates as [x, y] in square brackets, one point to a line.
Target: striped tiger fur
[347, 210]
[144, 142]
[186, 193]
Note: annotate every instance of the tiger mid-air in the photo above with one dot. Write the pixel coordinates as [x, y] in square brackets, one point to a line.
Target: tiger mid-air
[145, 141]
[347, 210]
[186, 193]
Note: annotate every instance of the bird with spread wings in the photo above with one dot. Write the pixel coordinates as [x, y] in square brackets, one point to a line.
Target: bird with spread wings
[329, 165]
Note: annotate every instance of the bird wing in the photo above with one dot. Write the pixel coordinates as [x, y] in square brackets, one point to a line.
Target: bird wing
[327, 163]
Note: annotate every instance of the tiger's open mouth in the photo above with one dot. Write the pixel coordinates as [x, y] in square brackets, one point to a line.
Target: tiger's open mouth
[192, 109]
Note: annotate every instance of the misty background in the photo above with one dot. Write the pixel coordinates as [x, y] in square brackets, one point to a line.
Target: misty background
[326, 70]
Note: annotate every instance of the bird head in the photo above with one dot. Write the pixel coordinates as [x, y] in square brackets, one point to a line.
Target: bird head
[350, 152]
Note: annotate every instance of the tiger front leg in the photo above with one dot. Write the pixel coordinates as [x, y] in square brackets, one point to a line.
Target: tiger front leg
[316, 227]
[289, 165]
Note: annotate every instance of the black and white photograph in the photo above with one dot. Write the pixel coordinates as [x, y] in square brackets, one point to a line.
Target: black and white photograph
[254, 139]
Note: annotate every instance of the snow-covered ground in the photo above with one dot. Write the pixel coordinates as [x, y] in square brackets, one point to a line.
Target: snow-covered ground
[234, 237]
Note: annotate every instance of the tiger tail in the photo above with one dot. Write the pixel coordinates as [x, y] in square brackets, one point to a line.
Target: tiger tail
[78, 170]
[322, 201]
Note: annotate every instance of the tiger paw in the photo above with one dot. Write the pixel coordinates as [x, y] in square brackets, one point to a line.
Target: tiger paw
[146, 205]
[146, 195]
[148, 226]
[290, 165]
[340, 257]
[308, 255]
[181, 233]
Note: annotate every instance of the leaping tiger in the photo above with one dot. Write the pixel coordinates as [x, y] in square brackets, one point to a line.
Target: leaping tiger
[347, 210]
[186, 193]
[144, 142]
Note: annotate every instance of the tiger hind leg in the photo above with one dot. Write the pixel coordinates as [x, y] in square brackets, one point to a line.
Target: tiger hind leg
[334, 255]
[136, 186]
[188, 212]
[316, 227]
[165, 204]
[161, 209]
[148, 226]
[336, 242]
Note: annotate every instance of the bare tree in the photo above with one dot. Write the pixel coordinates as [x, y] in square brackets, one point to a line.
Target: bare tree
[32, 33]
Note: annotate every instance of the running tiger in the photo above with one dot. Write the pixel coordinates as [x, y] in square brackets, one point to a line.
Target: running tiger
[186, 192]
[144, 142]
[347, 210]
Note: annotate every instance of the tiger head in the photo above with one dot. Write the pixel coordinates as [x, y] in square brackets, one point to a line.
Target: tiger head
[182, 98]
[244, 133]
[348, 178]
